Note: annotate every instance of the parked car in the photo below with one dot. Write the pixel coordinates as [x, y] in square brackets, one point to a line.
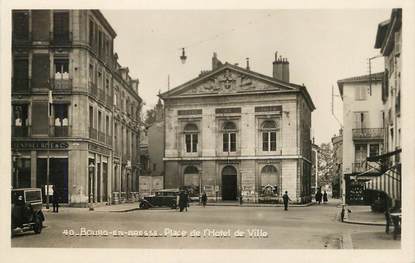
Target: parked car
[26, 210]
[161, 198]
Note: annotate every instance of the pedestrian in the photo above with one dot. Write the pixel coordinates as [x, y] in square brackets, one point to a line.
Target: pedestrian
[286, 198]
[318, 196]
[55, 200]
[187, 199]
[182, 200]
[325, 199]
[204, 199]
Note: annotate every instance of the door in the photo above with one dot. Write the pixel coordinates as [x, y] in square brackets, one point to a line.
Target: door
[229, 183]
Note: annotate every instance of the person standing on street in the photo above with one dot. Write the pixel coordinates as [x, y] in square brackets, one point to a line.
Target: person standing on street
[325, 199]
[55, 199]
[204, 199]
[286, 198]
[318, 196]
[187, 198]
[182, 200]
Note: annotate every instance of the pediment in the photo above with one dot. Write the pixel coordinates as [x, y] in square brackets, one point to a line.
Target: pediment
[230, 81]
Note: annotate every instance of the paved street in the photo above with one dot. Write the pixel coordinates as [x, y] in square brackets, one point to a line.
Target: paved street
[313, 227]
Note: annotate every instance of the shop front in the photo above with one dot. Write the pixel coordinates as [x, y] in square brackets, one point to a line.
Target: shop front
[42, 163]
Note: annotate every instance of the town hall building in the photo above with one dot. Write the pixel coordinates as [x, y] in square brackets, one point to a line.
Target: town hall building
[232, 133]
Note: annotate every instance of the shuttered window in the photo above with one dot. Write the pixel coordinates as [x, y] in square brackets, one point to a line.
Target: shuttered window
[20, 74]
[61, 27]
[20, 25]
[40, 25]
[40, 118]
[40, 71]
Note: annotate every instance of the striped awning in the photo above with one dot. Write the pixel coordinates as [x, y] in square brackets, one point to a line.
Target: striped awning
[389, 182]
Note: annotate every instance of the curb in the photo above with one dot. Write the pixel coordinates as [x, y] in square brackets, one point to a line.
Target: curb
[363, 223]
[258, 205]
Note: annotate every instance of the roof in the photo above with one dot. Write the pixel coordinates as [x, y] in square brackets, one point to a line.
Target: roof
[292, 86]
[376, 77]
[385, 34]
[380, 35]
[102, 18]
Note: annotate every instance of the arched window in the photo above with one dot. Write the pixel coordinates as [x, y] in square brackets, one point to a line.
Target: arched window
[269, 136]
[191, 137]
[229, 137]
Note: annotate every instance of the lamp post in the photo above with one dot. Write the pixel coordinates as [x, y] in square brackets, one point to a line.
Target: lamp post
[91, 168]
[16, 164]
[183, 57]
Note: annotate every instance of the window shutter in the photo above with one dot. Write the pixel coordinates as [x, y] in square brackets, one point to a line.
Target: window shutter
[61, 27]
[21, 25]
[40, 25]
[40, 119]
[40, 71]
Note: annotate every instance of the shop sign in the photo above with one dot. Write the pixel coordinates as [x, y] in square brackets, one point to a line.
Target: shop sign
[39, 145]
[99, 149]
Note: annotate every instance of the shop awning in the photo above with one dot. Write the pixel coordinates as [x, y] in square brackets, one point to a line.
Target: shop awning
[389, 182]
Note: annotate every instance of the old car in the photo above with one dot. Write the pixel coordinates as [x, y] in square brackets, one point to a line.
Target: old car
[26, 210]
[161, 198]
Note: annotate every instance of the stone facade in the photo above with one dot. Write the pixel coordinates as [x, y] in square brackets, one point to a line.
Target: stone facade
[67, 112]
[363, 130]
[233, 132]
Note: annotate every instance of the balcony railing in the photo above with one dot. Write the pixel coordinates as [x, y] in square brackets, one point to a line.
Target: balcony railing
[101, 136]
[368, 133]
[20, 131]
[60, 131]
[62, 84]
[92, 133]
[20, 85]
[62, 38]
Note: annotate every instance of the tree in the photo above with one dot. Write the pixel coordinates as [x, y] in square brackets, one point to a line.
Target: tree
[326, 165]
[150, 117]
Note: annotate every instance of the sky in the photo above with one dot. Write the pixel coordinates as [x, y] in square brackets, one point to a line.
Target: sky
[322, 47]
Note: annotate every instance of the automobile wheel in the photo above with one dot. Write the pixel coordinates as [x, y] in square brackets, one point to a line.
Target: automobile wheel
[38, 225]
[144, 205]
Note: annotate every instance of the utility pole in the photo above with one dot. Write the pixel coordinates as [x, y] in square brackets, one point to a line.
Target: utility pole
[332, 106]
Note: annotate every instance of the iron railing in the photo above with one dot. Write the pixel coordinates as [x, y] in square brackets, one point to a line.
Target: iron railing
[368, 133]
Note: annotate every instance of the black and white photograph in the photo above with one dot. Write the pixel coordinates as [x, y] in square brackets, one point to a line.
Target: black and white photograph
[261, 129]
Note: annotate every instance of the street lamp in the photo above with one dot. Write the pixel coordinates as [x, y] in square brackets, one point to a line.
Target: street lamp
[16, 164]
[183, 57]
[91, 168]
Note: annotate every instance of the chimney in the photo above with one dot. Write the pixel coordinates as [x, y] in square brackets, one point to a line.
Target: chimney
[280, 68]
[134, 84]
[124, 73]
[247, 64]
[216, 63]
[286, 70]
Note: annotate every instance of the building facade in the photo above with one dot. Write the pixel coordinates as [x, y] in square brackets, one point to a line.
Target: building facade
[74, 109]
[152, 145]
[232, 132]
[337, 142]
[314, 167]
[388, 41]
[362, 133]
